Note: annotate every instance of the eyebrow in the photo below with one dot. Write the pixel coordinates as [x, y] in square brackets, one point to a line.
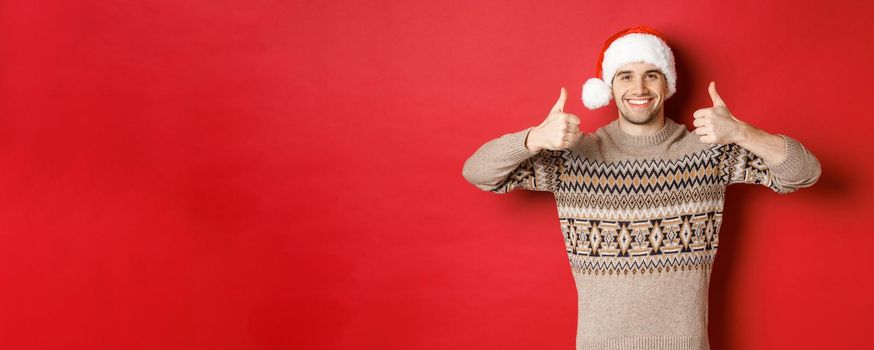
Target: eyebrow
[649, 71]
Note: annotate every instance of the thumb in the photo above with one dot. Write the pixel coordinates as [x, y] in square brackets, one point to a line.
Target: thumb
[717, 101]
[559, 105]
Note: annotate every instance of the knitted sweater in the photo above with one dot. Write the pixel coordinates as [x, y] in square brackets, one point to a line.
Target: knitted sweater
[640, 216]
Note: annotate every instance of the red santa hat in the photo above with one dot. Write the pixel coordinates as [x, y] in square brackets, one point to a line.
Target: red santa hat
[635, 44]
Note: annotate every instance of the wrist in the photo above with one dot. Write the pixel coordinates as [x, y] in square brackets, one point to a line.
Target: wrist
[747, 133]
[529, 141]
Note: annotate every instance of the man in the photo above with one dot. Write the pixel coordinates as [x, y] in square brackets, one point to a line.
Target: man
[640, 200]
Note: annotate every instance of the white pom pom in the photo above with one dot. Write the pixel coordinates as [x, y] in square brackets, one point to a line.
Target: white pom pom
[596, 93]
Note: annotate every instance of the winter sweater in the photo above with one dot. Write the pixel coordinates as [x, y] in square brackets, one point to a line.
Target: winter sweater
[640, 216]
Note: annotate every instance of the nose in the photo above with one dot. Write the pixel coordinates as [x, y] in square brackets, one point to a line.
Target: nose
[639, 87]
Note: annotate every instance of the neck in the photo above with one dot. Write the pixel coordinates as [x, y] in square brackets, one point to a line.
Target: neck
[644, 142]
[642, 129]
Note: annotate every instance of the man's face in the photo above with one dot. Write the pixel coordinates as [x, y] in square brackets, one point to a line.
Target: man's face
[639, 91]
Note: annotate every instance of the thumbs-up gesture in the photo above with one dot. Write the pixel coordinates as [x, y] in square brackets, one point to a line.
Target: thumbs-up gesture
[716, 124]
[558, 131]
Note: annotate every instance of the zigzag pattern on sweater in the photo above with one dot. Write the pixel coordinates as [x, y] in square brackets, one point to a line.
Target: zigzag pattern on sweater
[641, 206]
[638, 176]
[565, 171]
[643, 265]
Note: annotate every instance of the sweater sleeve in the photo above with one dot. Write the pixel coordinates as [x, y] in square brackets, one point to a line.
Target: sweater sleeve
[799, 169]
[504, 164]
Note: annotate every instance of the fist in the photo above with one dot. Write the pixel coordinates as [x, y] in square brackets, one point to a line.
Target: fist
[558, 131]
[716, 124]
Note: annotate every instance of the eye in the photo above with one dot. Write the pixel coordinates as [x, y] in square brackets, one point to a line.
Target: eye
[653, 76]
[624, 77]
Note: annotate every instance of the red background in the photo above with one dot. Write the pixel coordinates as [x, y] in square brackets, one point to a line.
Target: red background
[275, 175]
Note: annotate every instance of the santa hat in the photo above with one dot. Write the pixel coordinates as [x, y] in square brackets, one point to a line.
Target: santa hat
[635, 44]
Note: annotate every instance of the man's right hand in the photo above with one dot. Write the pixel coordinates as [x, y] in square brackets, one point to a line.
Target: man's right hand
[560, 130]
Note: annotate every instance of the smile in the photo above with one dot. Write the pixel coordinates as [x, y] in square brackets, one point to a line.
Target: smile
[639, 103]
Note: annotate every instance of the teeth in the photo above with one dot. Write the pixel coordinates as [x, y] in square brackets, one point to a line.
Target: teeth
[638, 102]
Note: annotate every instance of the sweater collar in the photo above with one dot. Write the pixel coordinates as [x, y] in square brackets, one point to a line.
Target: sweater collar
[623, 138]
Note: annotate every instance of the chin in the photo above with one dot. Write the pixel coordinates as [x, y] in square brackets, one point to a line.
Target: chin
[637, 119]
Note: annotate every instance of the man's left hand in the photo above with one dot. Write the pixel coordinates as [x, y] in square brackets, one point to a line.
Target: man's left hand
[717, 124]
